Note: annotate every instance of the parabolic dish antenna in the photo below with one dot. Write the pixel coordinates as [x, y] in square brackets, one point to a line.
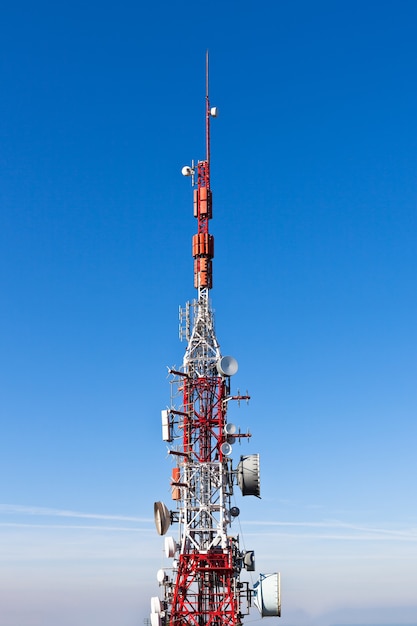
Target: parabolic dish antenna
[162, 517]
[230, 429]
[248, 477]
[161, 575]
[170, 547]
[227, 366]
[156, 619]
[249, 560]
[268, 595]
[226, 449]
[156, 605]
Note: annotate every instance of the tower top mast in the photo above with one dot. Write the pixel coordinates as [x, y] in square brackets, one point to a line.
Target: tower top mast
[207, 112]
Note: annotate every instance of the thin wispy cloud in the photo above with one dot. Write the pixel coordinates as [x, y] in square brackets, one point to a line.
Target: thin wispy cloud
[73, 527]
[13, 509]
[358, 531]
[30, 534]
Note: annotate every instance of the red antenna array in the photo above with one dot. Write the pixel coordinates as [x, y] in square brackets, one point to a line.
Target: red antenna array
[203, 242]
[202, 585]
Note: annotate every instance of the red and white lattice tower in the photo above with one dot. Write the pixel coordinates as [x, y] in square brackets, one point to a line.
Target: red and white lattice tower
[203, 586]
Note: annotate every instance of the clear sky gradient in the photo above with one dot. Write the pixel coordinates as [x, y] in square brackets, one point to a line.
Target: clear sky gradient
[314, 176]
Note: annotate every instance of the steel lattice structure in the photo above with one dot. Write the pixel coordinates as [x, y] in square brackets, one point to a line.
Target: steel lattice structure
[203, 587]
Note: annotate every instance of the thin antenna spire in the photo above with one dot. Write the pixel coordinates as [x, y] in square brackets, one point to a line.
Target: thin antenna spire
[207, 110]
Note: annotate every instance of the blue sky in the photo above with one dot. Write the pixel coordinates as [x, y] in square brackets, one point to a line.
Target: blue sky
[314, 175]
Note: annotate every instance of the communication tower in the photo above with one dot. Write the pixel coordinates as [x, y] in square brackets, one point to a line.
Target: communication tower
[202, 586]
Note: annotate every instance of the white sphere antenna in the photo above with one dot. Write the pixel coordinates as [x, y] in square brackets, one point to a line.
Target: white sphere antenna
[187, 171]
